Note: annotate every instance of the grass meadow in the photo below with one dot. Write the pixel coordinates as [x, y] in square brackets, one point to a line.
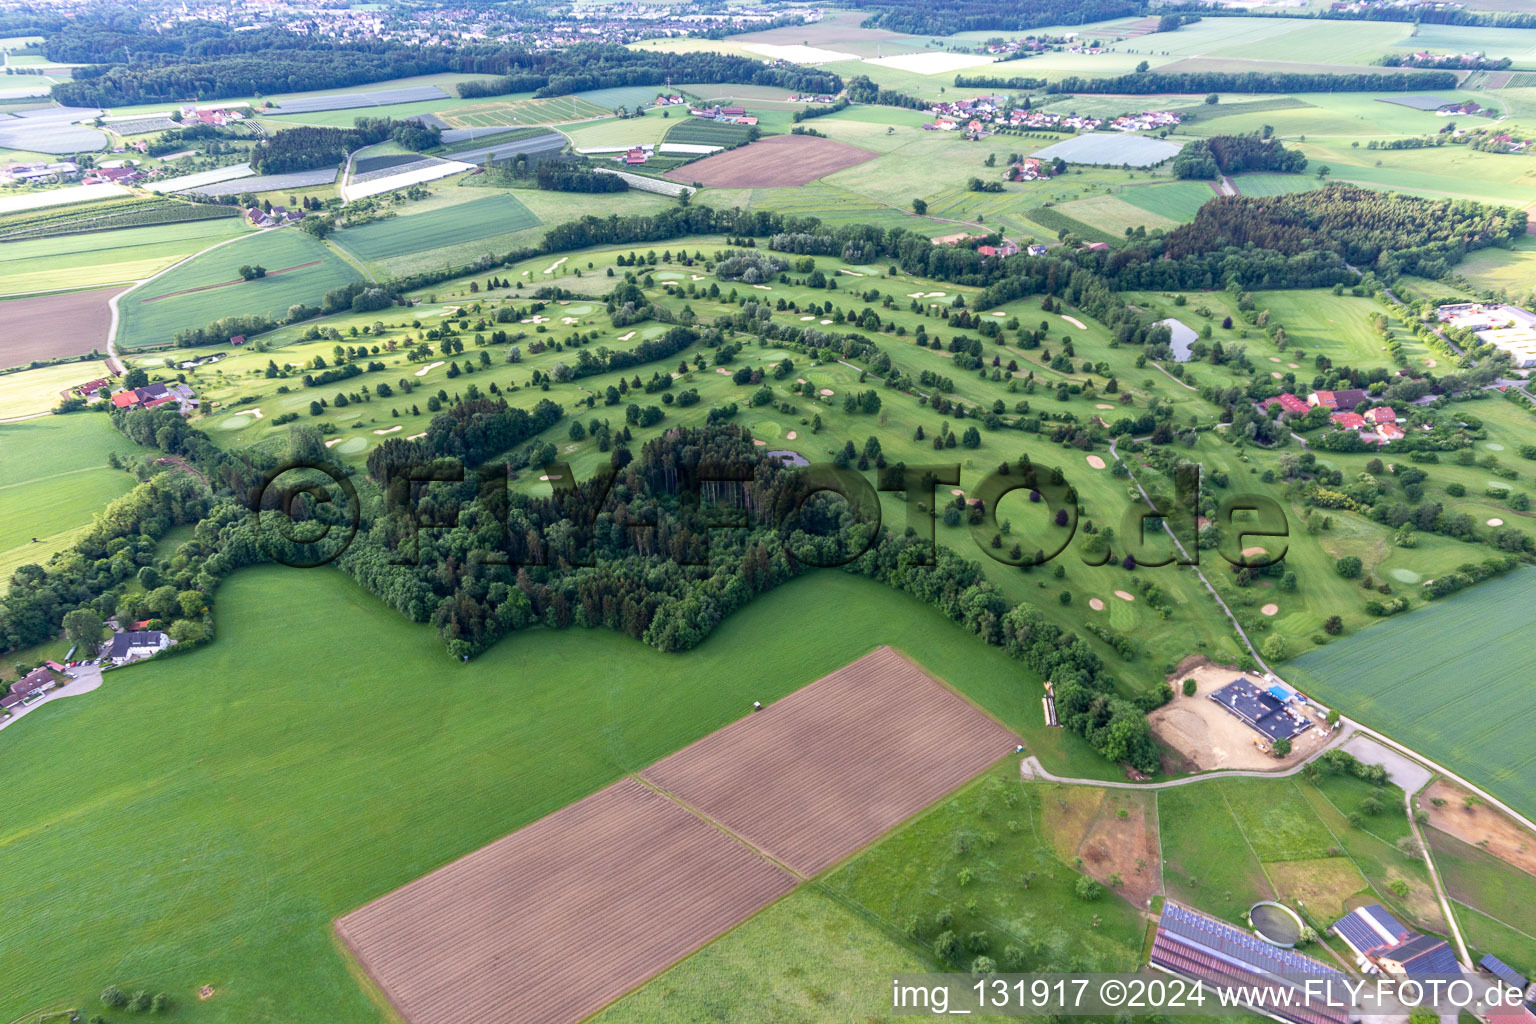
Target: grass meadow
[245, 809]
[463, 222]
[107, 257]
[152, 313]
[1408, 677]
[54, 477]
[1493, 898]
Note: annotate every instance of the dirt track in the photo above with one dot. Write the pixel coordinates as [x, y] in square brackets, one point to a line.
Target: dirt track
[831, 767]
[777, 161]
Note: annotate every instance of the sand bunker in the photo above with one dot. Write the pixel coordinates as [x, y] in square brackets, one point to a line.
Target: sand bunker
[1270, 609]
[790, 436]
[390, 430]
[827, 391]
[762, 288]
[1095, 462]
[1103, 405]
[936, 295]
[997, 313]
[763, 444]
[721, 369]
[556, 265]
[1250, 552]
[1122, 595]
[957, 491]
[825, 322]
[1276, 374]
[807, 318]
[415, 437]
[626, 337]
[334, 441]
[1495, 522]
[1429, 362]
[249, 412]
[1075, 322]
[1095, 604]
[552, 476]
[1293, 366]
[428, 368]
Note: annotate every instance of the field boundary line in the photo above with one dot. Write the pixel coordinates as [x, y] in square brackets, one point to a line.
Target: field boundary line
[1483, 913]
[112, 354]
[1273, 893]
[52, 476]
[727, 830]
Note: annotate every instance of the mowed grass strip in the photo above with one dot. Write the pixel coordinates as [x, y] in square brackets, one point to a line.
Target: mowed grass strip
[1409, 678]
[125, 254]
[1113, 215]
[1268, 184]
[465, 222]
[152, 313]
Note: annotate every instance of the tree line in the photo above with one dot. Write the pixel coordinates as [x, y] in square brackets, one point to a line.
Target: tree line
[1146, 82]
[946, 17]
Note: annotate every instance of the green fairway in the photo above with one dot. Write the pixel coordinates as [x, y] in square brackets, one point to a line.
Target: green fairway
[300, 269]
[1408, 678]
[464, 222]
[54, 478]
[107, 257]
[246, 808]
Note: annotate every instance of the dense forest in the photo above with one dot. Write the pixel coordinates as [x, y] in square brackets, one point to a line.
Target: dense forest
[561, 176]
[1146, 82]
[946, 17]
[1233, 154]
[1425, 14]
[1310, 239]
[304, 148]
[602, 66]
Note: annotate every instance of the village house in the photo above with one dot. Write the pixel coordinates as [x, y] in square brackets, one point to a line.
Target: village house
[1389, 432]
[1037, 250]
[90, 388]
[1006, 249]
[28, 689]
[1378, 938]
[1381, 414]
[152, 396]
[1288, 402]
[277, 216]
[1346, 399]
[1348, 420]
[131, 646]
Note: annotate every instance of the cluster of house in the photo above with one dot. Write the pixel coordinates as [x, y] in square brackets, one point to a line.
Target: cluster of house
[1378, 424]
[92, 388]
[1145, 120]
[725, 115]
[277, 216]
[808, 98]
[666, 100]
[1005, 249]
[1465, 107]
[1028, 169]
[218, 116]
[152, 396]
[1508, 328]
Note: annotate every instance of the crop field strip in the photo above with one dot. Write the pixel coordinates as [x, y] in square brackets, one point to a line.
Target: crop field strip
[781, 160]
[518, 929]
[465, 222]
[554, 921]
[831, 767]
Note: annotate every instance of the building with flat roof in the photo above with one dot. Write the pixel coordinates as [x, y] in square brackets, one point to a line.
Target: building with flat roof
[1263, 710]
[1508, 328]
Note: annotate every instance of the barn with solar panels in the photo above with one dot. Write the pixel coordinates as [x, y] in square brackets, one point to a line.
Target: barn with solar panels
[1206, 949]
[1378, 937]
[1269, 712]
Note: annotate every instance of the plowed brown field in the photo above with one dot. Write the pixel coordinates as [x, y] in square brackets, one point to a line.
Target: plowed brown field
[832, 766]
[776, 161]
[556, 920]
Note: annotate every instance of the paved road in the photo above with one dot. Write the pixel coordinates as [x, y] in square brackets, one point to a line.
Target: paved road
[1032, 770]
[1406, 774]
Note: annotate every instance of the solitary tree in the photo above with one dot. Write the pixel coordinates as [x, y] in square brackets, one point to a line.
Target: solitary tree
[919, 207]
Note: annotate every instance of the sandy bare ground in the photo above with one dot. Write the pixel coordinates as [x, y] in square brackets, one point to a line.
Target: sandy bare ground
[556, 920]
[1479, 825]
[1207, 736]
[815, 776]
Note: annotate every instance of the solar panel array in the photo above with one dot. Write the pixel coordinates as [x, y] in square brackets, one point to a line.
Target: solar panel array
[1501, 970]
[1358, 932]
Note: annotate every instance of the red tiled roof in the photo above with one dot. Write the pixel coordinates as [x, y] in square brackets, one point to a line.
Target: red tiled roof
[123, 399]
[1348, 420]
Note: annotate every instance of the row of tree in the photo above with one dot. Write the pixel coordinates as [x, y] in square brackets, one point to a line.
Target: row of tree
[1233, 154]
[1147, 82]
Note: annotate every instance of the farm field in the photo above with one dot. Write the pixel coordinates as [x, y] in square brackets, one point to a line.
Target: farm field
[1112, 214]
[668, 881]
[627, 131]
[36, 391]
[1457, 718]
[1514, 271]
[464, 222]
[777, 161]
[1498, 896]
[55, 477]
[821, 773]
[300, 269]
[1262, 184]
[75, 323]
[554, 110]
[296, 810]
[698, 132]
[110, 257]
[1176, 201]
